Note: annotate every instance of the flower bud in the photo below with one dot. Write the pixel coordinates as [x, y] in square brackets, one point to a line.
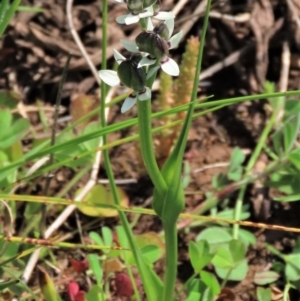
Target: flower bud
[135, 6]
[132, 76]
[153, 44]
[162, 30]
[148, 3]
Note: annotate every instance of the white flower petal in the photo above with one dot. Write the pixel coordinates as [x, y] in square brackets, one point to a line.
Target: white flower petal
[145, 95]
[131, 19]
[119, 57]
[121, 19]
[129, 45]
[145, 61]
[170, 67]
[152, 71]
[174, 41]
[163, 15]
[170, 25]
[128, 103]
[149, 25]
[110, 77]
[120, 1]
[148, 12]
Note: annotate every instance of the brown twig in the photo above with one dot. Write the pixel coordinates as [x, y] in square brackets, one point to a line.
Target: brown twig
[285, 67]
[78, 41]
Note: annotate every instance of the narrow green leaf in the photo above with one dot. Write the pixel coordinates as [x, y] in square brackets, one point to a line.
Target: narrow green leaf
[15, 151]
[45, 149]
[9, 250]
[3, 7]
[186, 178]
[93, 143]
[7, 284]
[294, 157]
[290, 131]
[292, 106]
[18, 130]
[287, 198]
[274, 251]
[30, 9]
[277, 140]
[47, 286]
[174, 199]
[94, 264]
[5, 121]
[8, 14]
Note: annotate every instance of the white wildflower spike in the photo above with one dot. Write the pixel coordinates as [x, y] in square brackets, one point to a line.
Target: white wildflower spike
[156, 44]
[150, 47]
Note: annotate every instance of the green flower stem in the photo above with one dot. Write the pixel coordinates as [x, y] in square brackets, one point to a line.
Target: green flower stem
[238, 211]
[147, 147]
[262, 142]
[171, 241]
[152, 288]
[143, 23]
[145, 135]
[173, 166]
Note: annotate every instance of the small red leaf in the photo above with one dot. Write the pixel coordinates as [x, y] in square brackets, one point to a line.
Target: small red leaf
[73, 289]
[79, 266]
[79, 296]
[123, 285]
